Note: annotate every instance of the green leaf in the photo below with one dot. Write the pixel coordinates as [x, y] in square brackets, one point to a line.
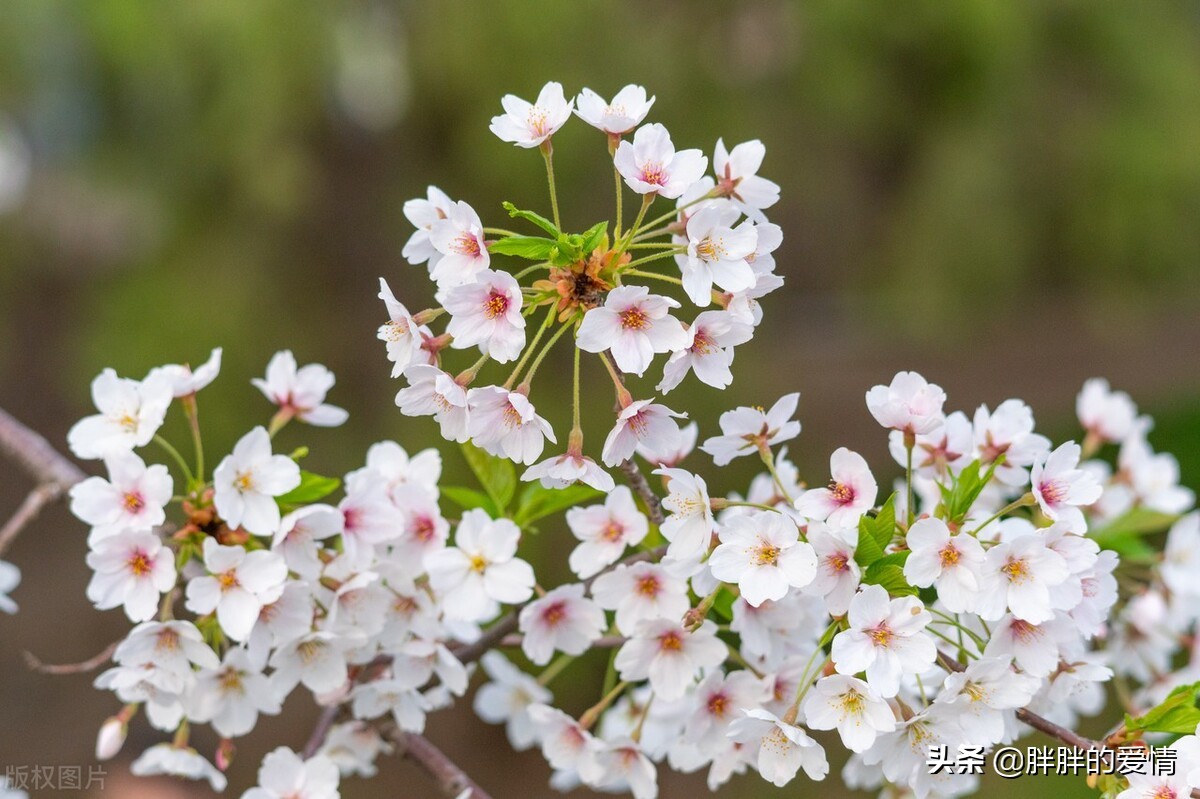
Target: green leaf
[1128, 526]
[966, 488]
[875, 533]
[890, 576]
[535, 248]
[537, 501]
[469, 499]
[1176, 714]
[496, 475]
[529, 216]
[723, 605]
[312, 487]
[594, 237]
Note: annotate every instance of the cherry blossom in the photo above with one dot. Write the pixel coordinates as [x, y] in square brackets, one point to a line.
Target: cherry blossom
[850, 706]
[132, 498]
[461, 248]
[651, 165]
[423, 214]
[432, 392]
[640, 592]
[401, 334]
[737, 175]
[668, 655]
[909, 404]
[641, 423]
[560, 471]
[953, 562]
[480, 570]
[285, 775]
[1018, 575]
[1109, 415]
[300, 392]
[130, 415]
[605, 531]
[745, 430]
[761, 553]
[177, 761]
[885, 639]
[132, 569]
[717, 253]
[506, 424]
[628, 108]
[690, 525]
[713, 334]
[247, 481]
[1061, 487]
[487, 314]
[239, 584]
[851, 492]
[633, 324]
[529, 125]
[563, 620]
[783, 748]
[186, 381]
[507, 699]
[10, 578]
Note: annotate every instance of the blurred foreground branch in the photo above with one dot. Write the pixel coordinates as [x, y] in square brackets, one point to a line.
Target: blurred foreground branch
[53, 472]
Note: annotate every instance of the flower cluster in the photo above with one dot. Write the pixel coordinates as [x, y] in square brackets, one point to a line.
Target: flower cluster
[1000, 579]
[715, 242]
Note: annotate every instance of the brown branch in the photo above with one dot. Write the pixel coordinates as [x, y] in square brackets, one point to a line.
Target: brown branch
[91, 664]
[52, 472]
[451, 780]
[321, 730]
[637, 481]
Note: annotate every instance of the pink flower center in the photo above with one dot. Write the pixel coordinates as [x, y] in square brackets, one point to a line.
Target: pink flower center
[842, 493]
[496, 305]
[133, 502]
[1053, 491]
[1017, 570]
[703, 344]
[511, 416]
[422, 528]
[648, 586]
[139, 563]
[466, 244]
[670, 641]
[613, 532]
[949, 555]
[881, 635]
[717, 705]
[537, 121]
[634, 319]
[654, 174]
[554, 614]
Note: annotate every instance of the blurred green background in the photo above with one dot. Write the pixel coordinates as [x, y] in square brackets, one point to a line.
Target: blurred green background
[1002, 195]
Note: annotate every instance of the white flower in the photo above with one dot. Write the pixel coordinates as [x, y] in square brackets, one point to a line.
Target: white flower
[1019, 574]
[562, 620]
[713, 334]
[850, 706]
[1009, 432]
[398, 697]
[988, 687]
[285, 775]
[1151, 786]
[783, 749]
[641, 423]
[527, 125]
[369, 518]
[605, 531]
[634, 325]
[1154, 478]
[232, 696]
[1109, 415]
[1061, 487]
[560, 471]
[507, 699]
[130, 415]
[353, 746]
[717, 253]
[133, 497]
[487, 313]
[247, 481]
[641, 592]
[432, 392]
[183, 379]
[298, 536]
[719, 700]
[762, 553]
[565, 745]
[851, 492]
[177, 761]
[837, 574]
[690, 525]
[737, 175]
[910, 404]
[481, 569]
[626, 111]
[885, 639]
[746, 430]
[505, 423]
[239, 583]
[132, 569]
[623, 766]
[401, 334]
[955, 563]
[1181, 556]
[650, 164]
[458, 239]
[300, 392]
[681, 447]
[664, 652]
[315, 659]
[10, 578]
[940, 453]
[1035, 647]
[423, 214]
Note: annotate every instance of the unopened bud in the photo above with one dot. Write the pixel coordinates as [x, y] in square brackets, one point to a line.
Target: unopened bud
[111, 738]
[225, 753]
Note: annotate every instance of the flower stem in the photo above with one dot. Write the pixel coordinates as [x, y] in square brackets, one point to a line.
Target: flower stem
[654, 276]
[575, 426]
[192, 412]
[554, 668]
[174, 453]
[910, 441]
[623, 395]
[647, 199]
[768, 459]
[533, 367]
[530, 269]
[498, 231]
[1021, 502]
[512, 378]
[592, 713]
[658, 256]
[669, 215]
[548, 153]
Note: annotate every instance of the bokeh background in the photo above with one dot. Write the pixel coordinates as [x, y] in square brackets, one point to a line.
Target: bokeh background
[1002, 195]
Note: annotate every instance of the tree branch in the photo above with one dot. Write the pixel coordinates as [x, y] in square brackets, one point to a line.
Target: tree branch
[637, 481]
[451, 780]
[52, 471]
[91, 664]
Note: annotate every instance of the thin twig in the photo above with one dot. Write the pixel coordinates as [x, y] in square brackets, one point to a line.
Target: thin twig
[52, 472]
[91, 664]
[637, 481]
[451, 780]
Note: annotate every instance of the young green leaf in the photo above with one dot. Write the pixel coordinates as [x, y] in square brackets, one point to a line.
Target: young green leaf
[538, 502]
[468, 499]
[535, 248]
[496, 475]
[529, 216]
[1176, 714]
[313, 487]
[594, 237]
[875, 533]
